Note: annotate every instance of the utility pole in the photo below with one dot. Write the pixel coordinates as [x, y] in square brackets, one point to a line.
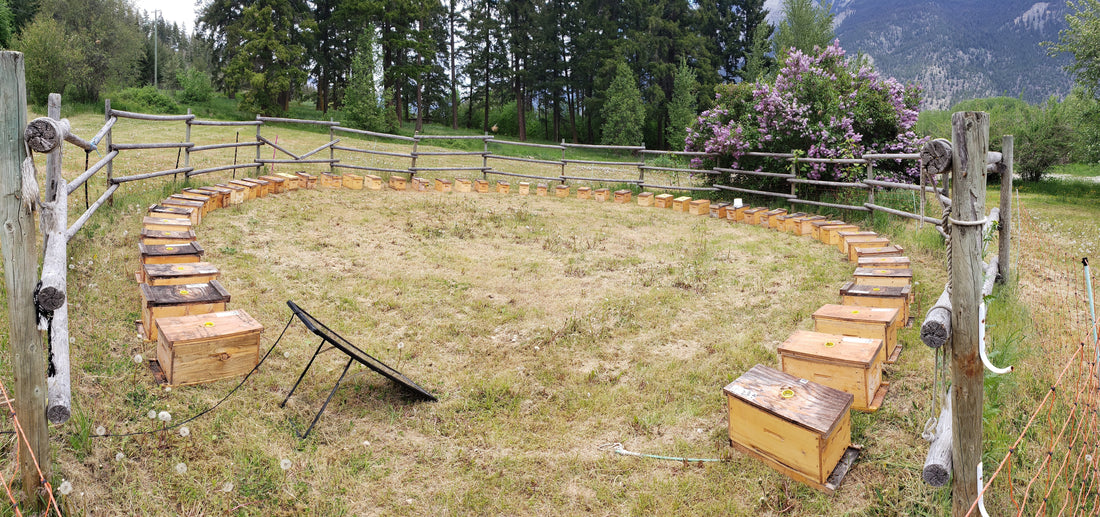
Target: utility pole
[156, 43]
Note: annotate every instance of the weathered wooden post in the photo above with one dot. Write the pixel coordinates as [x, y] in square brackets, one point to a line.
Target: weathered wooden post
[969, 143]
[52, 296]
[20, 277]
[1005, 224]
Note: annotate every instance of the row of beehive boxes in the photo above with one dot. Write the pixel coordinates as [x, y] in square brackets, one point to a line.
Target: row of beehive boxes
[797, 418]
[184, 306]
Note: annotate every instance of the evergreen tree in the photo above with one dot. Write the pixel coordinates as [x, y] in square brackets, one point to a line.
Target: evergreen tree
[361, 99]
[623, 112]
[270, 65]
[6, 21]
[759, 63]
[682, 108]
[804, 27]
[390, 121]
[728, 27]
[1081, 37]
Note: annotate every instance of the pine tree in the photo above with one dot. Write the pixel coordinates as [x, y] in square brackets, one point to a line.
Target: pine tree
[804, 27]
[759, 63]
[6, 21]
[270, 65]
[361, 98]
[682, 107]
[623, 112]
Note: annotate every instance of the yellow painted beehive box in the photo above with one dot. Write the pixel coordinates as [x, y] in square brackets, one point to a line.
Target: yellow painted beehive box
[201, 348]
[352, 181]
[236, 193]
[601, 194]
[849, 364]
[251, 190]
[167, 236]
[168, 254]
[178, 300]
[737, 214]
[623, 196]
[443, 185]
[857, 244]
[216, 199]
[292, 181]
[893, 297]
[278, 184]
[787, 222]
[165, 223]
[860, 321]
[481, 186]
[663, 200]
[816, 227]
[805, 226]
[645, 199]
[372, 182]
[831, 234]
[681, 204]
[194, 215]
[798, 427]
[699, 207]
[584, 193]
[329, 180]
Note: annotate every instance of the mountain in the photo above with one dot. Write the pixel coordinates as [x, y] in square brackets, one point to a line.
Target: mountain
[960, 49]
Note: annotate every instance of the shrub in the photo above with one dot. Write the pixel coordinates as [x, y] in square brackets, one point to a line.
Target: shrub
[195, 86]
[146, 100]
[1044, 141]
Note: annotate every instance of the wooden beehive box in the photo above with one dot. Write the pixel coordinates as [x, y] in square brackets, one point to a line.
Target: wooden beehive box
[202, 348]
[251, 190]
[584, 193]
[541, 190]
[168, 301]
[398, 182]
[816, 227]
[602, 194]
[352, 181]
[260, 187]
[892, 297]
[177, 212]
[831, 234]
[663, 200]
[203, 202]
[784, 223]
[305, 180]
[372, 181]
[168, 254]
[329, 180]
[623, 196]
[503, 187]
[482, 186]
[225, 192]
[645, 199]
[464, 185]
[165, 223]
[737, 214]
[892, 250]
[563, 191]
[681, 204]
[216, 200]
[753, 215]
[854, 245]
[842, 238]
[443, 185]
[179, 274]
[699, 207]
[798, 427]
[421, 184]
[770, 219]
[236, 193]
[167, 236]
[292, 181]
[849, 364]
[805, 226]
[859, 321]
[524, 188]
[884, 262]
[278, 183]
[197, 206]
[719, 210]
[883, 277]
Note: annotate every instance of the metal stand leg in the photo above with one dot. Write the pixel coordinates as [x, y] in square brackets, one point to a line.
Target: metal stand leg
[331, 393]
[303, 375]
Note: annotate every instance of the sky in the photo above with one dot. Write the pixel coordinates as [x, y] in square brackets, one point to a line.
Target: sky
[181, 12]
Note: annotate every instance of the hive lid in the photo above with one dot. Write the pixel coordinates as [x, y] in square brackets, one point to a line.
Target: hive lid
[664, 196]
[791, 216]
[852, 289]
[176, 210]
[188, 203]
[645, 194]
[276, 179]
[833, 222]
[189, 196]
[699, 201]
[831, 348]
[167, 221]
[856, 233]
[799, 401]
[204, 327]
[231, 186]
[857, 313]
[777, 211]
[883, 272]
[179, 270]
[168, 234]
[882, 261]
[813, 218]
[622, 192]
[755, 210]
[170, 250]
[164, 295]
[893, 248]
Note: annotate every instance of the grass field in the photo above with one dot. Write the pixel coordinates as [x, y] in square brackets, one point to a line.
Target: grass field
[546, 327]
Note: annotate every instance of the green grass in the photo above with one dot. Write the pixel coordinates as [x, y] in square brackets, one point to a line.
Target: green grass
[1082, 170]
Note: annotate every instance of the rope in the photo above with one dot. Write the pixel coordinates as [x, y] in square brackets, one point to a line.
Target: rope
[211, 408]
[617, 448]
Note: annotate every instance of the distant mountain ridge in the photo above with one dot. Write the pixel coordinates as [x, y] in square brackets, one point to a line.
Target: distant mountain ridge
[958, 50]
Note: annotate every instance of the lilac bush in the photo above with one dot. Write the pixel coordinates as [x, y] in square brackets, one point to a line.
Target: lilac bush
[822, 105]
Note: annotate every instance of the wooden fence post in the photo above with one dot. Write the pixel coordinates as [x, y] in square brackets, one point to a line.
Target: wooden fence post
[969, 143]
[54, 224]
[1004, 245]
[20, 277]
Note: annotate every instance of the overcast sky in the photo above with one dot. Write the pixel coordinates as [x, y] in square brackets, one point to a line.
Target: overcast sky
[181, 12]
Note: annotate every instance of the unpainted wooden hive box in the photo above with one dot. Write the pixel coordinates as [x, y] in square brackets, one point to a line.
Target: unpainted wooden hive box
[805, 225]
[623, 196]
[842, 238]
[215, 198]
[883, 277]
[816, 227]
[208, 203]
[645, 199]
[179, 273]
[443, 185]
[561, 191]
[602, 194]
[503, 187]
[831, 234]
[894, 297]
[737, 213]
[752, 215]
[421, 184]
[884, 262]
[167, 236]
[770, 219]
[541, 189]
[167, 301]
[251, 190]
[236, 193]
[482, 186]
[524, 188]
[857, 244]
[292, 180]
[584, 193]
[719, 210]
[176, 212]
[398, 182]
[224, 192]
[798, 427]
[202, 348]
[165, 223]
[663, 200]
[860, 321]
[892, 250]
[373, 182]
[265, 188]
[197, 206]
[352, 181]
[278, 184]
[681, 204]
[329, 180]
[699, 207]
[168, 254]
[464, 185]
[306, 180]
[787, 221]
[849, 364]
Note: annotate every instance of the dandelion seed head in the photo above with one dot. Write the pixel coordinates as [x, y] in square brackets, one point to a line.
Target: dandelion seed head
[101, 430]
[66, 488]
[120, 456]
[164, 416]
[185, 432]
[137, 358]
[181, 468]
[152, 414]
[285, 464]
[227, 487]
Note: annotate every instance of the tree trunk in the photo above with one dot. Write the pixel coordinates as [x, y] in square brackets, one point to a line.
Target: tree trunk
[454, 83]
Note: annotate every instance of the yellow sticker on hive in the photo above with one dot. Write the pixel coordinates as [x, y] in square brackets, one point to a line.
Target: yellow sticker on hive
[184, 292]
[786, 393]
[882, 271]
[875, 289]
[208, 324]
[855, 312]
[169, 248]
[829, 344]
[181, 268]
